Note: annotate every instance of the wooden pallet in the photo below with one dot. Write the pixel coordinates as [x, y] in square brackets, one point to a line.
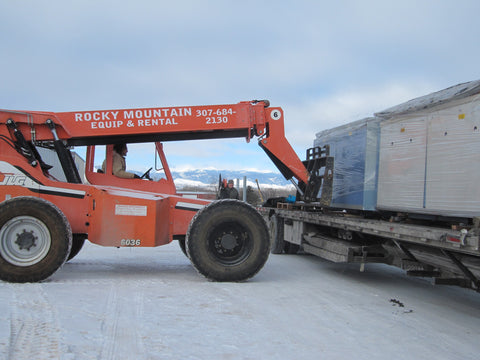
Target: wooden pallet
[299, 206]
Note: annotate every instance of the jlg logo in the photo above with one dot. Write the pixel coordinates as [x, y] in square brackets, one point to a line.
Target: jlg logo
[18, 180]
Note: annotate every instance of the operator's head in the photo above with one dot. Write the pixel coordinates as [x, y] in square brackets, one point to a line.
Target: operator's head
[121, 148]
[230, 183]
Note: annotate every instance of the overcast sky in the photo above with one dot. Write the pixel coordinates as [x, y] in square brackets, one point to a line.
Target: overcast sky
[325, 63]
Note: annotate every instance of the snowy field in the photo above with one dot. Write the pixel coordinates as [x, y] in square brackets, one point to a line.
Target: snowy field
[110, 303]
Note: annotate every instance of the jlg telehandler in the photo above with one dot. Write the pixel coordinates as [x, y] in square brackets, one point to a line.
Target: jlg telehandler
[44, 221]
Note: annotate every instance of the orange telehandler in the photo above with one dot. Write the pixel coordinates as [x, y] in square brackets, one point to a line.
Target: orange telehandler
[44, 221]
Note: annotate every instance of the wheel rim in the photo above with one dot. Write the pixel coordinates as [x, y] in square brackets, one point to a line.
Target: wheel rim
[230, 243]
[24, 241]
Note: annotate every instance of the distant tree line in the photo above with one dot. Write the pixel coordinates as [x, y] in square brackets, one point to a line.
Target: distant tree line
[253, 195]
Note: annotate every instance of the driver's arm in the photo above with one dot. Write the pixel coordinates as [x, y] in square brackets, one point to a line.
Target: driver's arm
[118, 168]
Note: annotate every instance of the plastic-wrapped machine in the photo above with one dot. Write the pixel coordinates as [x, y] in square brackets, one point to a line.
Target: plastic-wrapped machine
[430, 154]
[354, 147]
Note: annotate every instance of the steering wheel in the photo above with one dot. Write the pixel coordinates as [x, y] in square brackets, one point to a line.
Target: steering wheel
[146, 174]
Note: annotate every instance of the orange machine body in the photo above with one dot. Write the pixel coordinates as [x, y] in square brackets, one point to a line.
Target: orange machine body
[128, 212]
[111, 216]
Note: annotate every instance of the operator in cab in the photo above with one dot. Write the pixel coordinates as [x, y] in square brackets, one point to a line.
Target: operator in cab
[119, 164]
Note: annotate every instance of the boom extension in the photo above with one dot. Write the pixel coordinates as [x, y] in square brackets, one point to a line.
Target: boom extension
[244, 119]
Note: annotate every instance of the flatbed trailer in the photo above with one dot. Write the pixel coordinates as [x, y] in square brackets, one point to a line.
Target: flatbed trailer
[398, 188]
[449, 253]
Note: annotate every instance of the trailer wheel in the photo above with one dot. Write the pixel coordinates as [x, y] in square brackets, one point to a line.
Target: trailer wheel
[35, 239]
[277, 234]
[228, 241]
[77, 243]
[290, 248]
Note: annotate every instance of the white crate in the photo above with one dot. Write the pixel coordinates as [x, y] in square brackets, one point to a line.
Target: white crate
[430, 154]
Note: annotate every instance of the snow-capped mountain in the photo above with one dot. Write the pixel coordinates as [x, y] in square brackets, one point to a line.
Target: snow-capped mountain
[210, 177]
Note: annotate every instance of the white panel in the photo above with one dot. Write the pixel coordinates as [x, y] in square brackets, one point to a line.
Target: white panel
[453, 166]
[401, 175]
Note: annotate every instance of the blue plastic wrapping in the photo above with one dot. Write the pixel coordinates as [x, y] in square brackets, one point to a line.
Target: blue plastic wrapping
[354, 147]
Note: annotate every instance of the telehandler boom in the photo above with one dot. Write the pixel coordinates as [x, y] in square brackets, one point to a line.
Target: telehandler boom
[44, 221]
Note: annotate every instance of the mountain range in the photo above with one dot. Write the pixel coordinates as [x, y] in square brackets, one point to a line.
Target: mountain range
[210, 177]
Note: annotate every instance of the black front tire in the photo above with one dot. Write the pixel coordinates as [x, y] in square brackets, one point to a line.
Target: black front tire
[228, 241]
[181, 243]
[35, 239]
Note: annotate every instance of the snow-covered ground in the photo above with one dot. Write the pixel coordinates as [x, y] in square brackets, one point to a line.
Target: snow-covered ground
[110, 303]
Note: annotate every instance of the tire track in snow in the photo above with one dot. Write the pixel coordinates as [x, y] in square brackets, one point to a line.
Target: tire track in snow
[120, 327]
[34, 330]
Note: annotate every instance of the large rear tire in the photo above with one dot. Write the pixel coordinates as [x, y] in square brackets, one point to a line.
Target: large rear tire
[228, 241]
[35, 239]
[78, 240]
